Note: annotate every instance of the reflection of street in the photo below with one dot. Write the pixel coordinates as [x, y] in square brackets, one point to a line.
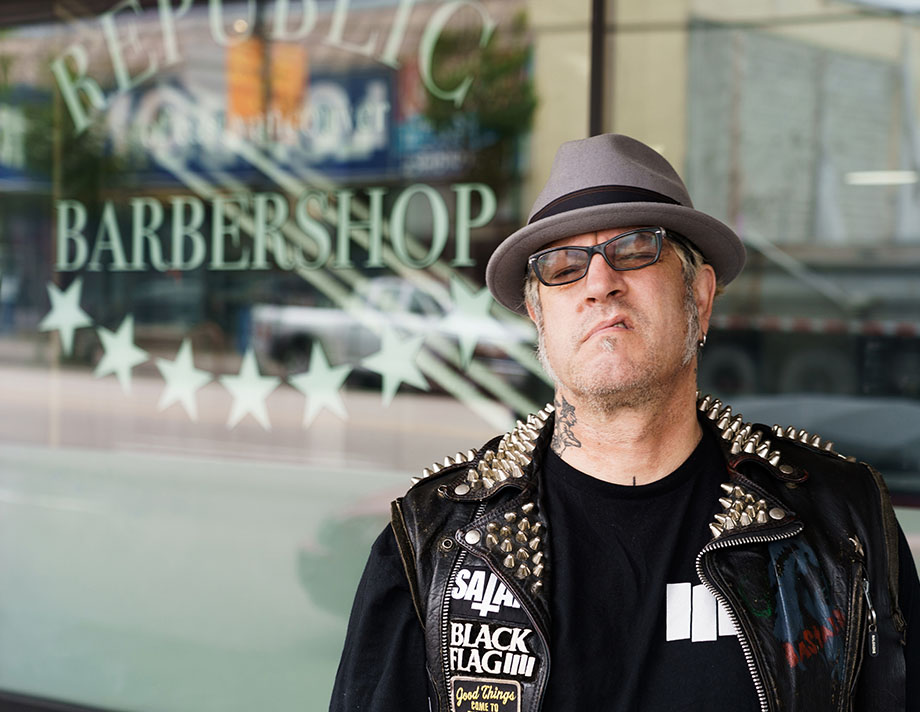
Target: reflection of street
[70, 408]
[155, 563]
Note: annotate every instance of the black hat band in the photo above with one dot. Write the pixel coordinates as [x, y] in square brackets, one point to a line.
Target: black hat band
[599, 195]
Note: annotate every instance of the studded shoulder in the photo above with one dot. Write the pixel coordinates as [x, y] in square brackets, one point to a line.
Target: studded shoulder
[434, 468]
[491, 466]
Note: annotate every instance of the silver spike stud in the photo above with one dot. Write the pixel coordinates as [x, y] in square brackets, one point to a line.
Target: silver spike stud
[510, 517]
[761, 517]
[716, 530]
[491, 541]
[534, 543]
[508, 563]
[522, 572]
[537, 588]
[727, 487]
[416, 480]
[521, 537]
[522, 554]
[505, 532]
[528, 507]
[773, 458]
[537, 558]
[506, 546]
[725, 502]
[538, 570]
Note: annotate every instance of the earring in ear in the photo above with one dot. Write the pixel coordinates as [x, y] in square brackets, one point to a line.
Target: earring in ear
[702, 342]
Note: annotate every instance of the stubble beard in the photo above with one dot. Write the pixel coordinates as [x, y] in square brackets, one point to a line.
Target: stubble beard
[641, 388]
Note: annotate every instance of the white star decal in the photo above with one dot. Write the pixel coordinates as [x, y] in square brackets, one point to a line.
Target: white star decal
[66, 314]
[182, 380]
[121, 355]
[321, 384]
[396, 363]
[469, 317]
[249, 390]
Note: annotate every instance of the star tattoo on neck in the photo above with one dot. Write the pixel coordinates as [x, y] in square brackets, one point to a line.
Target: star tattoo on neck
[563, 437]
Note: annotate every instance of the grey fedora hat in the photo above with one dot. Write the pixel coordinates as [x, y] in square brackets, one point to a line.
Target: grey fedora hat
[604, 182]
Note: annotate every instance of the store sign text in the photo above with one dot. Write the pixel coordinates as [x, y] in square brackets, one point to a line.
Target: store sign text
[282, 235]
[120, 31]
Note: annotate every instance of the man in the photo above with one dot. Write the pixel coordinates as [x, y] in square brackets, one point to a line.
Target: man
[633, 547]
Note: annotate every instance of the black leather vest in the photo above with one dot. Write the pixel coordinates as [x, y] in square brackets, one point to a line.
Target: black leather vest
[804, 557]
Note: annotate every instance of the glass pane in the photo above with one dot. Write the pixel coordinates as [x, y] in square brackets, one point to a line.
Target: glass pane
[242, 248]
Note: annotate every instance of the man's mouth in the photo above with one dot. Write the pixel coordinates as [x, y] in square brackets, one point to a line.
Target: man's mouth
[617, 322]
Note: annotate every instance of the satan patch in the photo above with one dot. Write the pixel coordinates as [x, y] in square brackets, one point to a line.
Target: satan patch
[478, 593]
[470, 694]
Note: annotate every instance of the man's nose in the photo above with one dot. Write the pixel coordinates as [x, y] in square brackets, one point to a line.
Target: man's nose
[602, 281]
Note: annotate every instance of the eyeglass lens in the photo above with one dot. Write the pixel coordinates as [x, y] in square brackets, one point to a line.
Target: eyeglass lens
[630, 251]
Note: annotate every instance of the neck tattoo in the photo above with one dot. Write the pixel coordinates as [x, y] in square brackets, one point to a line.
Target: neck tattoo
[563, 437]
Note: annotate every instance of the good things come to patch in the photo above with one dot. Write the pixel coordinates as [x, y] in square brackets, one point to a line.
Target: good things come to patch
[478, 694]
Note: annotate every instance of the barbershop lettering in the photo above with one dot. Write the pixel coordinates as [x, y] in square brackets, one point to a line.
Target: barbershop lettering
[481, 648]
[119, 29]
[255, 231]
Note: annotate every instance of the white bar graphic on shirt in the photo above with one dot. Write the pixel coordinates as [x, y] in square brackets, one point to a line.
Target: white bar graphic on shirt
[692, 613]
[678, 611]
[703, 623]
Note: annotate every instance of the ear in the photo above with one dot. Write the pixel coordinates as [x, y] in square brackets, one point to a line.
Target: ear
[530, 312]
[704, 292]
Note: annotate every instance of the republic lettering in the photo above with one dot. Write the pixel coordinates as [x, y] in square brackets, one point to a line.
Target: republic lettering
[119, 27]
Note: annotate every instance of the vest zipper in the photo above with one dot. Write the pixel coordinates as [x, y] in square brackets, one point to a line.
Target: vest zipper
[445, 606]
[720, 597]
[873, 621]
[861, 611]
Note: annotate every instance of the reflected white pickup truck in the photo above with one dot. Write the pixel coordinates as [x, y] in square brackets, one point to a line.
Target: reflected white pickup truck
[286, 333]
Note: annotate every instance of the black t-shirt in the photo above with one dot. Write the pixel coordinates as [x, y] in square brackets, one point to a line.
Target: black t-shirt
[613, 611]
[633, 629]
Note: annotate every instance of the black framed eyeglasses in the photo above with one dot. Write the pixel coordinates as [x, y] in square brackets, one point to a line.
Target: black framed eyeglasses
[630, 250]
